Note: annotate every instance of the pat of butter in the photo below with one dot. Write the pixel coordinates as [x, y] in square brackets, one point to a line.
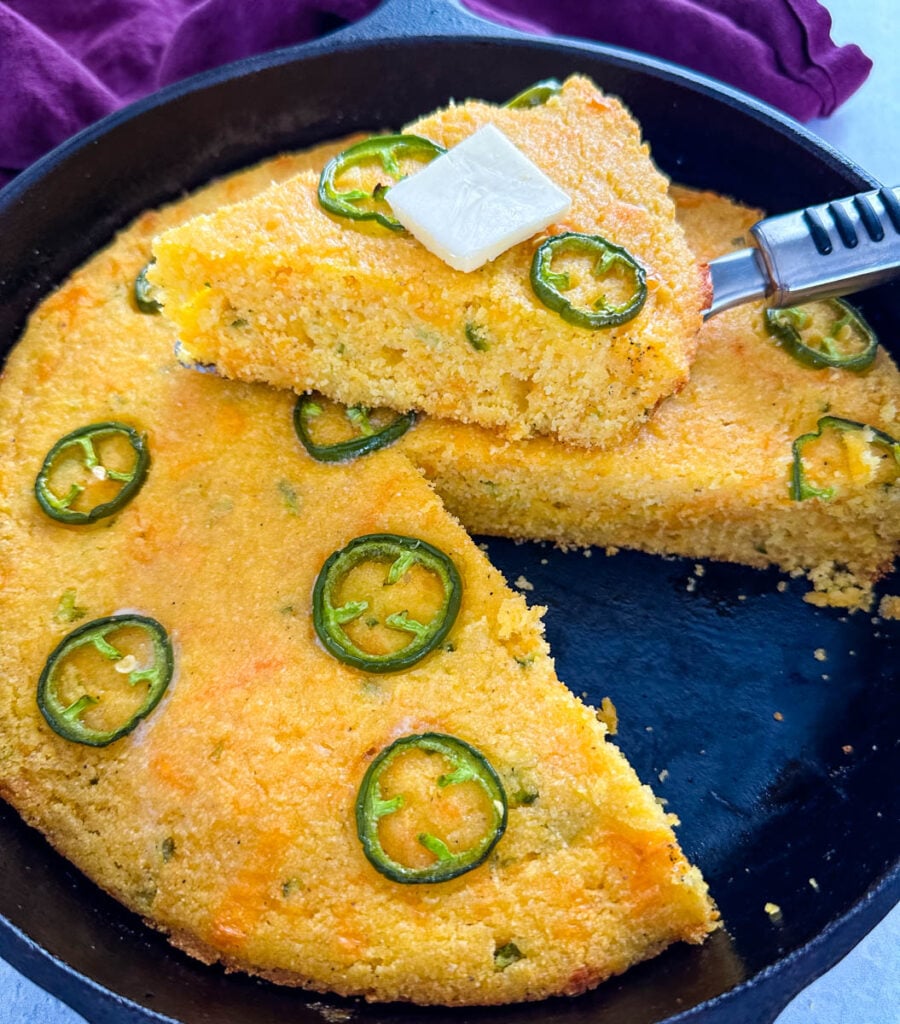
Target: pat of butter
[477, 200]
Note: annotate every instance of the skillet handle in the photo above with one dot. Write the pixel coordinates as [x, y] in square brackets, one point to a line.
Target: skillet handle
[398, 19]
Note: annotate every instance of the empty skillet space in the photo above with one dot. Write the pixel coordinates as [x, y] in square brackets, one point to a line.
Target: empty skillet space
[758, 717]
[768, 805]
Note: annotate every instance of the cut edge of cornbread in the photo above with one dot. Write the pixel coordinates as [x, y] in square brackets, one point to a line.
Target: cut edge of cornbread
[200, 818]
[274, 289]
[708, 476]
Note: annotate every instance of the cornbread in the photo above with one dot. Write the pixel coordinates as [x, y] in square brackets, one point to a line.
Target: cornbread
[708, 476]
[226, 818]
[278, 290]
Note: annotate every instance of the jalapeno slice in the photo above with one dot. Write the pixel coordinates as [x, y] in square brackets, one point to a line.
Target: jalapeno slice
[467, 765]
[844, 341]
[370, 434]
[145, 292]
[800, 487]
[548, 285]
[399, 555]
[535, 95]
[65, 717]
[80, 446]
[385, 150]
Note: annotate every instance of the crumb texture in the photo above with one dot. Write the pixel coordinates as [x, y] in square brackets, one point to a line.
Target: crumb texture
[709, 475]
[276, 289]
[226, 819]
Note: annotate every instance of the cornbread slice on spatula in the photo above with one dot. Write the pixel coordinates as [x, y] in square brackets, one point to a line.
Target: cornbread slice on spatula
[374, 785]
[762, 459]
[578, 332]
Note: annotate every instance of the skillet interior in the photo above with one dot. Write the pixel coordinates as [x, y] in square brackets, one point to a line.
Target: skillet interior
[696, 676]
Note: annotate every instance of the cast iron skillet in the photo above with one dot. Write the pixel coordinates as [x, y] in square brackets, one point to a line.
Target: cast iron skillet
[696, 666]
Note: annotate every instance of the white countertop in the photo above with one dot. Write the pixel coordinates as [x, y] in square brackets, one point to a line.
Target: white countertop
[865, 987]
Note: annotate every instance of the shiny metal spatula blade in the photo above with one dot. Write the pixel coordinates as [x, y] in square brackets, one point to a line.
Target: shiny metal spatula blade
[820, 252]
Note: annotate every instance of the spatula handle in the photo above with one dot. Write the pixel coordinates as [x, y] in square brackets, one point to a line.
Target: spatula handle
[832, 249]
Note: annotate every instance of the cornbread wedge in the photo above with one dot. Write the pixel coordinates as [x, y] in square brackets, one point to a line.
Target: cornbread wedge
[228, 817]
[709, 476]
[278, 290]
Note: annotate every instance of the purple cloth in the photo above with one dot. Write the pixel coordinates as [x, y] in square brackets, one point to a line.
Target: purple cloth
[66, 63]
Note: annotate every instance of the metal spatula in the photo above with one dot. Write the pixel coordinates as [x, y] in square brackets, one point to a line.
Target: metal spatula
[820, 252]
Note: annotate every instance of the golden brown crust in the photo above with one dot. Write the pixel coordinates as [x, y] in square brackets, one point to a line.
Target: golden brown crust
[226, 818]
[707, 477]
[367, 315]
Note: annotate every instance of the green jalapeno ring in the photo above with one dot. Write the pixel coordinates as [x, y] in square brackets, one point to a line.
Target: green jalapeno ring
[535, 95]
[83, 437]
[548, 286]
[354, 447]
[383, 148]
[786, 324]
[800, 488]
[64, 719]
[402, 553]
[469, 765]
[144, 292]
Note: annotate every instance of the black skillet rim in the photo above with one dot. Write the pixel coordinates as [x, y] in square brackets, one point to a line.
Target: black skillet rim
[798, 967]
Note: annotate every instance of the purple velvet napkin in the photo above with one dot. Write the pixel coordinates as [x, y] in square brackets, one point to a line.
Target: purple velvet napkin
[66, 63]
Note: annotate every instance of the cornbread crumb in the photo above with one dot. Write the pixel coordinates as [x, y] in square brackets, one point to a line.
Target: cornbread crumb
[774, 911]
[778, 716]
[523, 584]
[820, 654]
[608, 715]
[333, 1014]
[889, 607]
[814, 884]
